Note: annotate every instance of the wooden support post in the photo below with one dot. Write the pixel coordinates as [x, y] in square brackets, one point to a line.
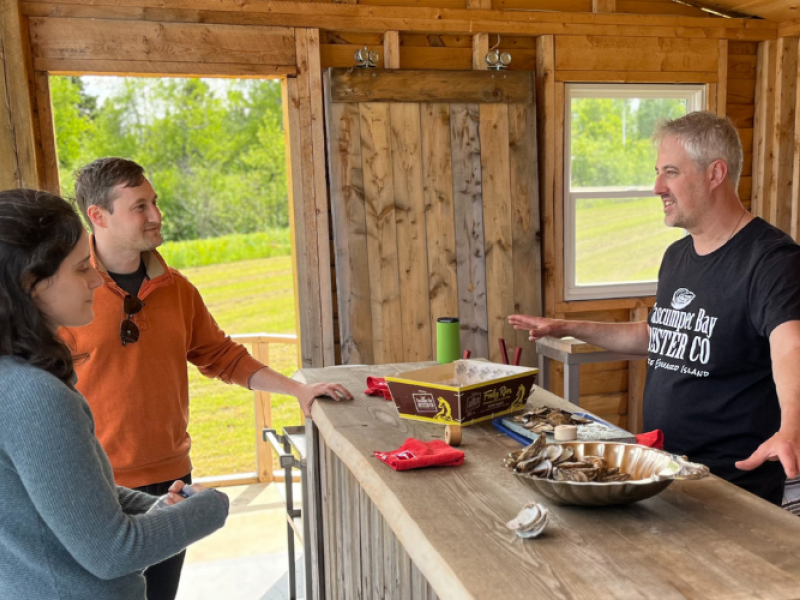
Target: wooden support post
[391, 50]
[762, 129]
[480, 48]
[263, 417]
[721, 107]
[545, 127]
[310, 203]
[18, 155]
[47, 135]
[782, 158]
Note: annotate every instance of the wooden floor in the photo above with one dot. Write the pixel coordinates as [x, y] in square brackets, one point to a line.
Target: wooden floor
[246, 558]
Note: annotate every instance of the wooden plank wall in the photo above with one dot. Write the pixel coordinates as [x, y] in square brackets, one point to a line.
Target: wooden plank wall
[435, 209]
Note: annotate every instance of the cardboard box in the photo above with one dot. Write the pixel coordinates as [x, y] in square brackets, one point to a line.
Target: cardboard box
[462, 392]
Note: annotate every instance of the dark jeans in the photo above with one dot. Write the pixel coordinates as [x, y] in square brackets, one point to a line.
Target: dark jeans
[163, 578]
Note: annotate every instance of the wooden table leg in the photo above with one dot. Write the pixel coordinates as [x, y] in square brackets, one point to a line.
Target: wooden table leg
[571, 383]
[543, 379]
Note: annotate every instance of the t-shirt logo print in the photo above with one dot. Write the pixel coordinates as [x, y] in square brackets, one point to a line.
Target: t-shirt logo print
[682, 298]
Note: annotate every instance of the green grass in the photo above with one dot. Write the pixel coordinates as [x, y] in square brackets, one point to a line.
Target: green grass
[227, 249]
[621, 240]
[249, 296]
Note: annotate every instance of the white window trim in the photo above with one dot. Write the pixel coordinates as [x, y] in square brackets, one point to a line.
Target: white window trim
[695, 96]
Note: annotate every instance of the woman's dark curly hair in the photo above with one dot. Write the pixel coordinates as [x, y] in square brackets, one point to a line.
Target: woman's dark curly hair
[38, 231]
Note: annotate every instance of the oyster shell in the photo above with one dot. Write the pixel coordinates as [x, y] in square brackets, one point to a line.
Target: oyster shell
[530, 522]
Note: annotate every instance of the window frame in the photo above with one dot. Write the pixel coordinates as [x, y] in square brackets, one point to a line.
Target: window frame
[695, 96]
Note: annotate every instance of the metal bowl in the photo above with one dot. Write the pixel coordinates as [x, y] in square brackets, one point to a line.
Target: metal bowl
[651, 472]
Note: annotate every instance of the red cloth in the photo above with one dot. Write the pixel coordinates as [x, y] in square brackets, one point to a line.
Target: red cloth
[414, 454]
[653, 439]
[376, 386]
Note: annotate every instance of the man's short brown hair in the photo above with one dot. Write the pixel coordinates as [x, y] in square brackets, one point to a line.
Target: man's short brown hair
[96, 181]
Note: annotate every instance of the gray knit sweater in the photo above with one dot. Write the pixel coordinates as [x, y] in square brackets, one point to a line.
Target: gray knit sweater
[66, 530]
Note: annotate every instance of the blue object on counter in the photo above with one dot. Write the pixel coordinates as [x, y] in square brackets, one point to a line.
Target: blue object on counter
[498, 423]
[518, 433]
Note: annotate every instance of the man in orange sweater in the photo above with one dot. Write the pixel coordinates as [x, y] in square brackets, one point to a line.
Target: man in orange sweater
[149, 321]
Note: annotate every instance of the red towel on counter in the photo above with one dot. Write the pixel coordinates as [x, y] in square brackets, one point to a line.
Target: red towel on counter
[653, 439]
[414, 454]
[376, 386]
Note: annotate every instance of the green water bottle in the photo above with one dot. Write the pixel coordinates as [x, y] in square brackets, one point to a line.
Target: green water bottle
[448, 343]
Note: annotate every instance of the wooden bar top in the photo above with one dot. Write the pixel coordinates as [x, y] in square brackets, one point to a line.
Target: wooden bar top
[697, 539]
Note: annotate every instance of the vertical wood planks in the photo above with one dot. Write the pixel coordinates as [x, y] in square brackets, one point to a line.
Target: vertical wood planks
[437, 192]
[782, 159]
[49, 179]
[480, 48]
[495, 178]
[305, 311]
[18, 154]
[545, 109]
[349, 233]
[525, 222]
[429, 222]
[321, 204]
[559, 193]
[467, 197]
[391, 50]
[762, 128]
[410, 218]
[382, 259]
[363, 557]
[305, 211]
[722, 79]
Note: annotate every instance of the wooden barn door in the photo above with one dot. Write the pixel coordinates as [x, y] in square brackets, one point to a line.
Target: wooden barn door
[434, 196]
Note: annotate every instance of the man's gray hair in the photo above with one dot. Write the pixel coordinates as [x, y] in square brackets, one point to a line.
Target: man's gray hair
[706, 138]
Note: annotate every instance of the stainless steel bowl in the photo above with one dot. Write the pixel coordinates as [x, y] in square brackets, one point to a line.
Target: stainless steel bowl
[651, 472]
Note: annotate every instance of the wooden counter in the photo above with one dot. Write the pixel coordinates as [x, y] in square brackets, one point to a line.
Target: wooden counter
[440, 533]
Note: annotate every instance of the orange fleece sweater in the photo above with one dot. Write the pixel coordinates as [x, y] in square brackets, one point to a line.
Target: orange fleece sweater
[139, 393]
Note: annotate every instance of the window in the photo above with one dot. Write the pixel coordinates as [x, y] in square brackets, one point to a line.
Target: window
[614, 234]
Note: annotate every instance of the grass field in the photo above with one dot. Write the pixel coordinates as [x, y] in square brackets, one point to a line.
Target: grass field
[621, 240]
[249, 296]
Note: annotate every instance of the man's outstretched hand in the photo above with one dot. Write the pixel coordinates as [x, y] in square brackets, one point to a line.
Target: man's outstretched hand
[537, 327]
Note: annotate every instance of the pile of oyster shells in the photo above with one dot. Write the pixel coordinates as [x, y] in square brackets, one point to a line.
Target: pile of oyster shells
[545, 419]
[558, 462]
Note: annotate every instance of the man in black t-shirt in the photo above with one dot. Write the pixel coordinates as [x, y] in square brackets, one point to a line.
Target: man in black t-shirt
[723, 339]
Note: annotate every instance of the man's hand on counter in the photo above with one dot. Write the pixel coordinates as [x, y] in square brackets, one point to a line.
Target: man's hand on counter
[311, 391]
[267, 380]
[782, 447]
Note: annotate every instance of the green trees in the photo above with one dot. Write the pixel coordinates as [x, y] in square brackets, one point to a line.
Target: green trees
[611, 139]
[213, 151]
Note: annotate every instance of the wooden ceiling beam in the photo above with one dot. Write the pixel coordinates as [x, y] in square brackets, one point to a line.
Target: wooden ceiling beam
[418, 20]
[548, 23]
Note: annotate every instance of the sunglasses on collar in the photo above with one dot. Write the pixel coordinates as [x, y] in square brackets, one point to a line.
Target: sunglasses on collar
[128, 331]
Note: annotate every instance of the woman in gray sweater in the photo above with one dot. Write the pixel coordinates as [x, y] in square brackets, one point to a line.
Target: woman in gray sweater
[66, 530]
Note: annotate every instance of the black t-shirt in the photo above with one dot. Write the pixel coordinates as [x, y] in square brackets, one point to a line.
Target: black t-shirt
[130, 282]
[709, 379]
